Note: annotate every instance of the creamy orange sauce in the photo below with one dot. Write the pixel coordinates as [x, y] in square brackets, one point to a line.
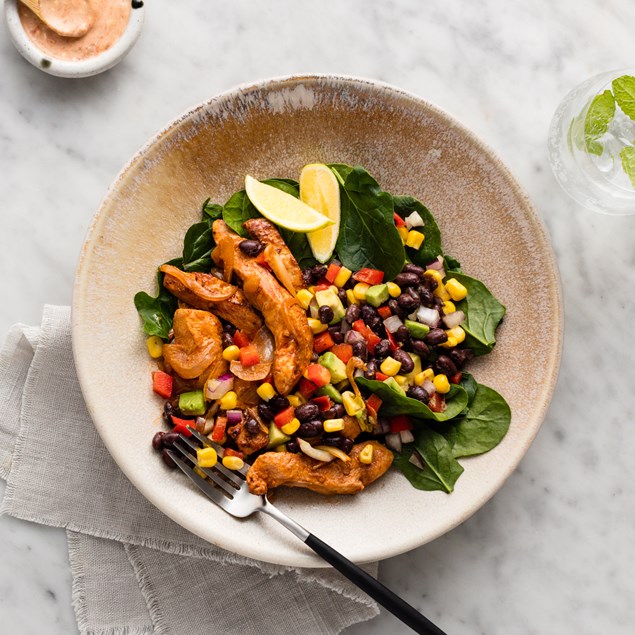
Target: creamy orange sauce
[71, 18]
[110, 19]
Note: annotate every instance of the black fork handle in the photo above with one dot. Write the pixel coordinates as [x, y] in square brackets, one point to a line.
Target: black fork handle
[398, 607]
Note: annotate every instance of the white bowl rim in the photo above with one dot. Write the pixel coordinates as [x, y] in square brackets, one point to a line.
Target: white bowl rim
[299, 559]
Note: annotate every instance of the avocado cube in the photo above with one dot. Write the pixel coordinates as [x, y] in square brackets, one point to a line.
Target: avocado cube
[334, 365]
[276, 436]
[377, 294]
[329, 298]
[416, 329]
[392, 382]
[416, 370]
[192, 403]
[330, 391]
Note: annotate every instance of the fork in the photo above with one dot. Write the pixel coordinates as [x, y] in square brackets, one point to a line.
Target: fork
[231, 493]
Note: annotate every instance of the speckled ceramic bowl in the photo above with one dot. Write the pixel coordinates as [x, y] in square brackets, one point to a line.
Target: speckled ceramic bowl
[273, 128]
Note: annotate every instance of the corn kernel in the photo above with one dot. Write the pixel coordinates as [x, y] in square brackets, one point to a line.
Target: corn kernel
[304, 297]
[423, 376]
[433, 273]
[266, 391]
[403, 233]
[333, 425]
[441, 383]
[350, 297]
[390, 367]
[311, 289]
[199, 472]
[280, 448]
[402, 380]
[294, 400]
[394, 290]
[451, 342]
[366, 455]
[231, 353]
[342, 277]
[233, 462]
[441, 292]
[351, 403]
[359, 290]
[449, 307]
[291, 427]
[229, 400]
[155, 346]
[317, 326]
[458, 333]
[456, 290]
[206, 457]
[414, 239]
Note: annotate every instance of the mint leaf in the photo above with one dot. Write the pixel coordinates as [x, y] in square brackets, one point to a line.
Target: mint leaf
[628, 162]
[598, 118]
[624, 91]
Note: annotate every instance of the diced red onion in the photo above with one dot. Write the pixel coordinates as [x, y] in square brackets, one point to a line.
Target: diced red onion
[428, 386]
[406, 436]
[218, 274]
[216, 388]
[234, 417]
[393, 441]
[358, 372]
[415, 459]
[354, 336]
[345, 327]
[414, 220]
[437, 264]
[383, 427]
[454, 319]
[314, 453]
[428, 316]
[392, 323]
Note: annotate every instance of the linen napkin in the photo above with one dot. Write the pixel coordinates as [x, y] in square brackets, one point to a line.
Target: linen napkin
[135, 571]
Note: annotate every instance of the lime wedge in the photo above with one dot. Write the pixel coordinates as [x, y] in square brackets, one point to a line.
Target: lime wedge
[284, 209]
[320, 190]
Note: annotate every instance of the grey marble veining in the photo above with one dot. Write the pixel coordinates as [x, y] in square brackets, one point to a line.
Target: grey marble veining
[552, 552]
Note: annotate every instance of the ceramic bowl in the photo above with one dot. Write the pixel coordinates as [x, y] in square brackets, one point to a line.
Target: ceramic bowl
[68, 68]
[273, 128]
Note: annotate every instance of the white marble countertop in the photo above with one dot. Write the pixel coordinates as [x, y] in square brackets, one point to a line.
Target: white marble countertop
[551, 553]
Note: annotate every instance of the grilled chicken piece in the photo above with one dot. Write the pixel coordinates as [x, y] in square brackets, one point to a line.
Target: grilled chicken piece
[246, 392]
[284, 317]
[199, 290]
[267, 234]
[196, 349]
[274, 469]
[249, 442]
[351, 427]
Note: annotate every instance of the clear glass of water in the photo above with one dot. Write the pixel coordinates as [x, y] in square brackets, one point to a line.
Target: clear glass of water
[592, 143]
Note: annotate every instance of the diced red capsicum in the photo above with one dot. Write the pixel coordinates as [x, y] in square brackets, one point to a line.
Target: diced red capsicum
[318, 375]
[219, 429]
[380, 376]
[392, 341]
[373, 403]
[399, 222]
[323, 402]
[384, 312]
[342, 351]
[306, 388]
[249, 356]
[456, 378]
[398, 423]
[369, 276]
[181, 426]
[284, 417]
[230, 452]
[322, 342]
[240, 339]
[371, 339]
[162, 384]
[332, 271]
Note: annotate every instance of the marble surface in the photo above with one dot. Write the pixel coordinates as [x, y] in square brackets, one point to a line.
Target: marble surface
[552, 551]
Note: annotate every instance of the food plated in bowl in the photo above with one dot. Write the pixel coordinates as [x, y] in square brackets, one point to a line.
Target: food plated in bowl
[275, 128]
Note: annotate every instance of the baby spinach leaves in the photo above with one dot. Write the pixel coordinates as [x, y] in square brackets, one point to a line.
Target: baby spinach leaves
[431, 247]
[197, 246]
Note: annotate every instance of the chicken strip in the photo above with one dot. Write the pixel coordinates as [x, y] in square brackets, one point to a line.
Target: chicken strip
[284, 317]
[274, 469]
[251, 434]
[197, 346]
[267, 234]
[199, 290]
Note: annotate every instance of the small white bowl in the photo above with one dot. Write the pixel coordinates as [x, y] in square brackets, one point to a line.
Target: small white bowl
[67, 68]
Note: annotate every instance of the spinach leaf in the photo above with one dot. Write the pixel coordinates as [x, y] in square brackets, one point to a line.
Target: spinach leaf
[431, 247]
[212, 210]
[394, 403]
[483, 314]
[451, 264]
[470, 386]
[299, 246]
[440, 469]
[197, 246]
[368, 236]
[483, 427]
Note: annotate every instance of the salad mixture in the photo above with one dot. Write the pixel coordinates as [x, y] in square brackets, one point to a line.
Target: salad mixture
[316, 331]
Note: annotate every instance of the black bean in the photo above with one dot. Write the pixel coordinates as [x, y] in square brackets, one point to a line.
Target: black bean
[407, 280]
[420, 348]
[168, 411]
[435, 337]
[319, 271]
[251, 247]
[419, 393]
[252, 426]
[407, 302]
[307, 411]
[445, 365]
[338, 337]
[360, 350]
[413, 292]
[314, 357]
[307, 277]
[169, 439]
[334, 440]
[167, 459]
[374, 322]
[310, 428]
[347, 445]
[265, 412]
[407, 365]
[157, 440]
[279, 403]
[437, 303]
[293, 446]
[460, 356]
[341, 294]
[412, 268]
[353, 313]
[402, 334]
[425, 295]
[430, 283]
[395, 309]
[227, 340]
[382, 349]
[371, 368]
[326, 315]
[336, 411]
[368, 311]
